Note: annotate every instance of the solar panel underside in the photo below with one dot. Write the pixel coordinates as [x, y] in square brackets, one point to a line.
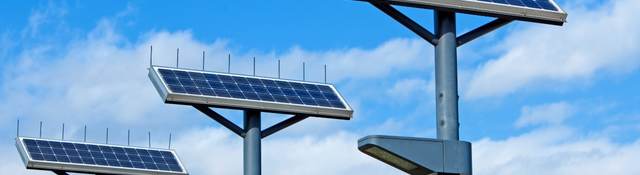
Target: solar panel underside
[536, 4]
[97, 158]
[250, 92]
[541, 11]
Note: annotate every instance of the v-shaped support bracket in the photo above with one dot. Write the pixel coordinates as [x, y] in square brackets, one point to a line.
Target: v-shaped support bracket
[242, 132]
[429, 36]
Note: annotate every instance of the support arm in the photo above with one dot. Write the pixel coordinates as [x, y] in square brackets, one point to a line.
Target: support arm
[286, 123]
[482, 30]
[406, 21]
[220, 119]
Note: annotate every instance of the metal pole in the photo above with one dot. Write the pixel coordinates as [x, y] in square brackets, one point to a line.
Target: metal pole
[252, 142]
[151, 56]
[229, 63]
[18, 129]
[84, 139]
[40, 136]
[62, 131]
[325, 73]
[446, 76]
[254, 66]
[178, 58]
[107, 137]
[128, 137]
[203, 60]
[278, 68]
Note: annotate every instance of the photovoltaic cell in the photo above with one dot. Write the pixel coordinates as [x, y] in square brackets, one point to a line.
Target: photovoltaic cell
[93, 155]
[250, 88]
[536, 4]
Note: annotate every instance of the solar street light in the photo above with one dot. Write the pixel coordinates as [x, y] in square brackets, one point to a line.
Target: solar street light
[68, 156]
[253, 95]
[401, 152]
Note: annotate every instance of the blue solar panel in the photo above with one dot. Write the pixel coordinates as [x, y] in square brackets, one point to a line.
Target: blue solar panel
[95, 155]
[536, 4]
[250, 88]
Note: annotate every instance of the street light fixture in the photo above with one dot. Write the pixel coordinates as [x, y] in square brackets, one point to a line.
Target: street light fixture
[419, 156]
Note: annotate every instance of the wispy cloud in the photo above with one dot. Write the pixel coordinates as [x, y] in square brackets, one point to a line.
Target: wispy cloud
[411, 88]
[100, 80]
[51, 12]
[554, 113]
[600, 40]
[555, 150]
[333, 154]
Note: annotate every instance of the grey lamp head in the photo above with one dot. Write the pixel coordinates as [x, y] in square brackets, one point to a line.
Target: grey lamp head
[419, 156]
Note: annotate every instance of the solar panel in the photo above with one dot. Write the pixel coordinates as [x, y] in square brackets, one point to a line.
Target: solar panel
[97, 158]
[536, 4]
[184, 86]
[543, 11]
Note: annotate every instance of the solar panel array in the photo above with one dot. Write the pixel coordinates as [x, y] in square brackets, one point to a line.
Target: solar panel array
[101, 155]
[536, 4]
[250, 88]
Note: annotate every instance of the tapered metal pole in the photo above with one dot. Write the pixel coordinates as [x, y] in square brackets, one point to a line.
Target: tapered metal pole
[446, 76]
[447, 81]
[252, 140]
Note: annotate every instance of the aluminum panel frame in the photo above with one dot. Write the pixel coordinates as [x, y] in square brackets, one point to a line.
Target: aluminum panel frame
[487, 9]
[84, 168]
[233, 103]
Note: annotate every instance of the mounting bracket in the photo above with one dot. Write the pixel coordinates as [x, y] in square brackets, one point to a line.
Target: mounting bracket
[251, 133]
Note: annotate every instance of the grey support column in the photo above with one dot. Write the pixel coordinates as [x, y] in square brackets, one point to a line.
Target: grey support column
[446, 76]
[252, 140]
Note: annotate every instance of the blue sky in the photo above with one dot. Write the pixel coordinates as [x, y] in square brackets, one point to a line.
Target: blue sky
[532, 96]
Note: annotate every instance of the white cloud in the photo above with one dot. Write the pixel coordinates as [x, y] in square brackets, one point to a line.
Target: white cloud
[10, 163]
[410, 88]
[101, 80]
[600, 40]
[356, 63]
[333, 154]
[555, 150]
[554, 113]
